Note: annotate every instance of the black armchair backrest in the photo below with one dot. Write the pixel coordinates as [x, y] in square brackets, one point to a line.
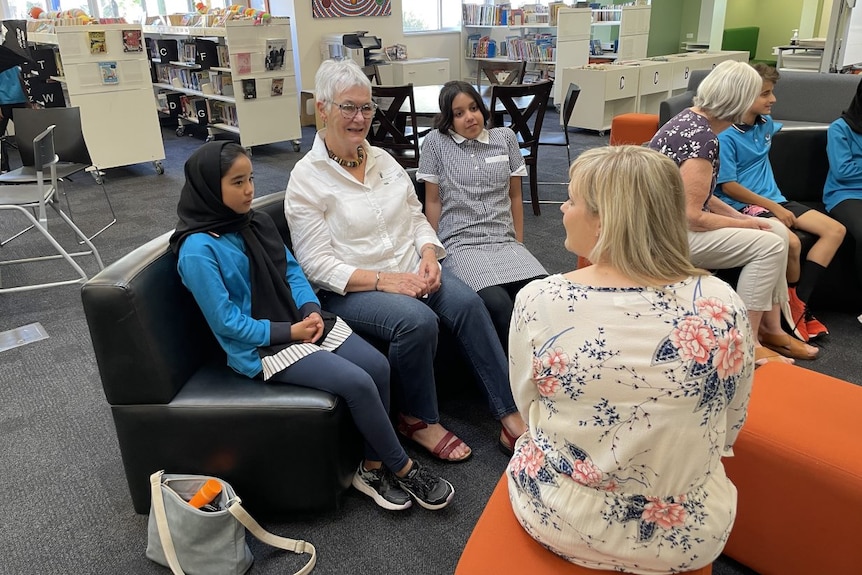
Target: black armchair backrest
[69, 144]
[148, 333]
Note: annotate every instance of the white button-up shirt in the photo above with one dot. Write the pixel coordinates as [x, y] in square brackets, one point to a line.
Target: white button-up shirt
[338, 224]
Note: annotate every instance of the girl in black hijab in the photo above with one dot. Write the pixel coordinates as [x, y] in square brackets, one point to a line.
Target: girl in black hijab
[268, 320]
[842, 192]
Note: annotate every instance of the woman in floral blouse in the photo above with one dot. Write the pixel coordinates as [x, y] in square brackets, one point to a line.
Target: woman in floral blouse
[633, 375]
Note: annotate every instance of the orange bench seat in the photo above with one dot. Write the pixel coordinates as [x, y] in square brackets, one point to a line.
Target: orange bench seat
[499, 546]
[798, 470]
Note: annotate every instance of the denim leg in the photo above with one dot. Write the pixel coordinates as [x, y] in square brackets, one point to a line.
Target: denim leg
[462, 311]
[359, 374]
[410, 327]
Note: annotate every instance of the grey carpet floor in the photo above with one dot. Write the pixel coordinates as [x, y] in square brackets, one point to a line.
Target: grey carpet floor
[64, 505]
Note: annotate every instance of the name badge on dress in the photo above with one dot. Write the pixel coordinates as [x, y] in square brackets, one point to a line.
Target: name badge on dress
[495, 159]
[390, 175]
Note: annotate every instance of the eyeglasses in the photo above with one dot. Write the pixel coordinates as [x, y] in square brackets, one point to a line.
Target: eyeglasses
[348, 110]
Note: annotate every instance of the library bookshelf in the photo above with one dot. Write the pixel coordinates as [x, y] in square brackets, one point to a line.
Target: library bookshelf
[237, 78]
[111, 86]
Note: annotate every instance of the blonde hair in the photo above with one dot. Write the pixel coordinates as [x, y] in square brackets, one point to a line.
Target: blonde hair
[728, 91]
[639, 198]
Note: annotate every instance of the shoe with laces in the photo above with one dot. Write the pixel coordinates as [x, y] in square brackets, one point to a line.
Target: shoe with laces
[380, 485]
[814, 326]
[797, 315]
[429, 490]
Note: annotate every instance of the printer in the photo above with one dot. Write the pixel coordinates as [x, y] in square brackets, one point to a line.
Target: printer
[356, 46]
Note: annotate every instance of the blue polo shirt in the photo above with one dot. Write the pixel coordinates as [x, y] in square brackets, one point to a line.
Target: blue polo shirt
[744, 154]
[844, 180]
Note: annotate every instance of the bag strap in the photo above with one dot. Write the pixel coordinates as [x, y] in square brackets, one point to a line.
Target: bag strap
[238, 511]
[162, 523]
[295, 545]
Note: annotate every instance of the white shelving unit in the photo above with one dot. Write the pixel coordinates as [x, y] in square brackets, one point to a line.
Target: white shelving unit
[634, 32]
[499, 34]
[267, 117]
[573, 44]
[122, 110]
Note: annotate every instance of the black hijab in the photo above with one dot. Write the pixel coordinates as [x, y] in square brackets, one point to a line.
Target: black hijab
[201, 209]
[853, 114]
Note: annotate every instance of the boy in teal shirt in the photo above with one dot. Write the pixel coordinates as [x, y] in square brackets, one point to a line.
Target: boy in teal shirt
[748, 184]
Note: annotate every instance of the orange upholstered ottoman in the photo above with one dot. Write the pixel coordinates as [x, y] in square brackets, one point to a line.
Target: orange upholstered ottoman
[634, 129]
[500, 546]
[798, 470]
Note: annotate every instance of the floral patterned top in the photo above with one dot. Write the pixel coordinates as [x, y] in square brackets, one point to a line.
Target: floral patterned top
[631, 396]
[687, 136]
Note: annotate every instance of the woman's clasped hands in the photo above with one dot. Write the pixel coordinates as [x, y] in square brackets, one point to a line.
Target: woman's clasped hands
[425, 281]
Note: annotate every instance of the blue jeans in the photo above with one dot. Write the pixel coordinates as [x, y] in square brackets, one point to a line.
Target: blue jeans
[410, 325]
[360, 375]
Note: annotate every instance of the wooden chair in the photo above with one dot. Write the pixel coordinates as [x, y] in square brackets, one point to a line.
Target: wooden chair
[562, 138]
[526, 122]
[395, 130]
[501, 73]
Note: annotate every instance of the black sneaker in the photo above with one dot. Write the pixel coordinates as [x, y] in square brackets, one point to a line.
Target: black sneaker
[429, 491]
[378, 484]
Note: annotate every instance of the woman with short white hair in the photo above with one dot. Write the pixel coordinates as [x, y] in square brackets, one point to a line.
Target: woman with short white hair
[361, 237]
[719, 236]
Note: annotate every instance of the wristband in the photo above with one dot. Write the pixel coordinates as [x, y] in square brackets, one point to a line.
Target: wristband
[377, 282]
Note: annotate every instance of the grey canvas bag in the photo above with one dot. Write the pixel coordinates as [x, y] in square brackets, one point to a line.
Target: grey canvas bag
[197, 542]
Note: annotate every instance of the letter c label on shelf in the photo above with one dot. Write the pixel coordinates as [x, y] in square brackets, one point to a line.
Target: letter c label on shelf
[622, 82]
[655, 79]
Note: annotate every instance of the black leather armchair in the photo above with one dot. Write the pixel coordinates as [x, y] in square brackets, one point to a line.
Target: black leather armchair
[800, 165]
[177, 406]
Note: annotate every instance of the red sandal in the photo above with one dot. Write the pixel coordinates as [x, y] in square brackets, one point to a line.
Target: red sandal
[444, 447]
[507, 442]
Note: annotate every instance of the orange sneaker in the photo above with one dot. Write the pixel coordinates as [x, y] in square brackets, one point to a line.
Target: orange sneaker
[797, 315]
[814, 327]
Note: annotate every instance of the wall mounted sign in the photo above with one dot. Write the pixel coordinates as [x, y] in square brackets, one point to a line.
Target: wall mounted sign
[346, 8]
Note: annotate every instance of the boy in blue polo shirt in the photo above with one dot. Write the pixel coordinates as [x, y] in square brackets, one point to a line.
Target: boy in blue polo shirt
[748, 184]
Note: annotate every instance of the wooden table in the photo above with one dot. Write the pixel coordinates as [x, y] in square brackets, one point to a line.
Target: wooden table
[426, 100]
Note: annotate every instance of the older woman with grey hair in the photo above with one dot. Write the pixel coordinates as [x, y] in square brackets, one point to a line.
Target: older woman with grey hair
[719, 236]
[362, 239]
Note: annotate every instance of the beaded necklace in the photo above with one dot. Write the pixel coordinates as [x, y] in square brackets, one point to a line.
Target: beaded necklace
[360, 157]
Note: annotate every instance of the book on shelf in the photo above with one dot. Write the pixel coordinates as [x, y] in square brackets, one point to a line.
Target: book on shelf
[97, 42]
[277, 87]
[108, 72]
[243, 63]
[275, 52]
[132, 41]
[249, 89]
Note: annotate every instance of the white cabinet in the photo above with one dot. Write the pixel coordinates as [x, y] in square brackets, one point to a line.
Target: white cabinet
[653, 85]
[687, 62]
[419, 72]
[112, 89]
[262, 105]
[606, 91]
